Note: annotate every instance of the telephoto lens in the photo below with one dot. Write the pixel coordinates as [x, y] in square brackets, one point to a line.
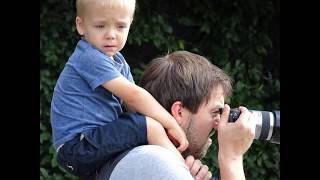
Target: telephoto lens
[267, 124]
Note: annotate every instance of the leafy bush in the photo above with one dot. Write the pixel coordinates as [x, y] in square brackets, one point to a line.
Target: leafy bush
[242, 37]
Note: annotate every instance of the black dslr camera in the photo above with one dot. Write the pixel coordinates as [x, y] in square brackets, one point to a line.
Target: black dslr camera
[267, 124]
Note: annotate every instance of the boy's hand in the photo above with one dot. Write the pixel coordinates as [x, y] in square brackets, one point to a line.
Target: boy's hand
[197, 169]
[178, 138]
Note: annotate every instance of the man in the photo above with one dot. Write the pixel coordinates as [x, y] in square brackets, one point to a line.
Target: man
[193, 90]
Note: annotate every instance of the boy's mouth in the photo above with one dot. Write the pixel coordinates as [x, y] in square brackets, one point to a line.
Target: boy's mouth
[109, 47]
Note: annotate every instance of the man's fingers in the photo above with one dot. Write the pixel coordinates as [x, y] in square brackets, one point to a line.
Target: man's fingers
[195, 167]
[189, 161]
[244, 115]
[208, 176]
[202, 172]
[225, 114]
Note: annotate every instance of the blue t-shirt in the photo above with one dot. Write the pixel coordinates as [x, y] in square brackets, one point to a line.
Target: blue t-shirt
[79, 102]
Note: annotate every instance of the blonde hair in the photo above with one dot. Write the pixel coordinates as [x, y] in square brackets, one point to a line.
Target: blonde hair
[129, 4]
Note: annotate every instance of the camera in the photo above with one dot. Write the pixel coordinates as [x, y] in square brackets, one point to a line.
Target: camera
[267, 124]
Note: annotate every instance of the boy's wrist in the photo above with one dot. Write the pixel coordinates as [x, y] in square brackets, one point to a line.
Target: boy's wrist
[172, 123]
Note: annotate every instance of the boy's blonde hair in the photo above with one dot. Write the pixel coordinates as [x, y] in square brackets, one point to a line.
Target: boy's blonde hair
[129, 4]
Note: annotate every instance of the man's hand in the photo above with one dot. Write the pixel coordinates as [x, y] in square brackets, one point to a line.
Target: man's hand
[235, 138]
[197, 169]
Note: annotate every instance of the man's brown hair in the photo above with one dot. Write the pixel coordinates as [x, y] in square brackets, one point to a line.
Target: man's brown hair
[186, 77]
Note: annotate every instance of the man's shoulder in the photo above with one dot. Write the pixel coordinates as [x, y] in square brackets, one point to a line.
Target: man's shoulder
[150, 154]
[150, 162]
[152, 151]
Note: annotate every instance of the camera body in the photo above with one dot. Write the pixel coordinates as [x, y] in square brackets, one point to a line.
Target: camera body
[267, 124]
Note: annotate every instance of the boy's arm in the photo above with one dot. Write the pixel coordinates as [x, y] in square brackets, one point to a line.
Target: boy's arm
[129, 108]
[143, 102]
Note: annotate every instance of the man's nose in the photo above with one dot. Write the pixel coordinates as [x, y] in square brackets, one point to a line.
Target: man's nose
[215, 123]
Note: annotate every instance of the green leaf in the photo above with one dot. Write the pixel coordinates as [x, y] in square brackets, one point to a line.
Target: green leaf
[44, 173]
[54, 162]
[181, 44]
[44, 137]
[261, 50]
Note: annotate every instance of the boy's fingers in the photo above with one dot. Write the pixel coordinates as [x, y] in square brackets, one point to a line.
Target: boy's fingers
[173, 140]
[183, 146]
[179, 144]
[187, 143]
[180, 148]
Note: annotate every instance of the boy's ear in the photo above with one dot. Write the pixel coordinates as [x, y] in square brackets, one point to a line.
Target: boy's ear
[79, 25]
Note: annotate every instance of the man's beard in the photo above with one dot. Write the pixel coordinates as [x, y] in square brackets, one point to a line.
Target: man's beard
[195, 149]
[197, 153]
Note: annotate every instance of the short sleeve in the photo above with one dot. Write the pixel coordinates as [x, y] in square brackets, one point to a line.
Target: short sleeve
[96, 69]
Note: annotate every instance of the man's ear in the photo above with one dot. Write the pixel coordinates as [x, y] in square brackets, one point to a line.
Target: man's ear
[79, 25]
[176, 111]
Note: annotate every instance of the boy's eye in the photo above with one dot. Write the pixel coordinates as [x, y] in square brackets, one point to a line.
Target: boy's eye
[99, 26]
[121, 26]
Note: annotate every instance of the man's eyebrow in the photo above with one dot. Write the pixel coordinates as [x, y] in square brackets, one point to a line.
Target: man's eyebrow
[217, 109]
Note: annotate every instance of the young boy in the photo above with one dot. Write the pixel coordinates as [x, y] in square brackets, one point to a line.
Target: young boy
[88, 123]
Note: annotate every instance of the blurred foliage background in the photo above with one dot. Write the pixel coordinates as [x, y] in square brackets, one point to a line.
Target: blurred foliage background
[242, 37]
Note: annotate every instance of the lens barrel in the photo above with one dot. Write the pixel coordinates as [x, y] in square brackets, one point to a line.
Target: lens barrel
[267, 124]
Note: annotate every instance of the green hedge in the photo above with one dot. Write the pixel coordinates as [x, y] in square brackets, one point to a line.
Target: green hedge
[242, 37]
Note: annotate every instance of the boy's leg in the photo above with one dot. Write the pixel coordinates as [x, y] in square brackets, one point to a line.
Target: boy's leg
[84, 156]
